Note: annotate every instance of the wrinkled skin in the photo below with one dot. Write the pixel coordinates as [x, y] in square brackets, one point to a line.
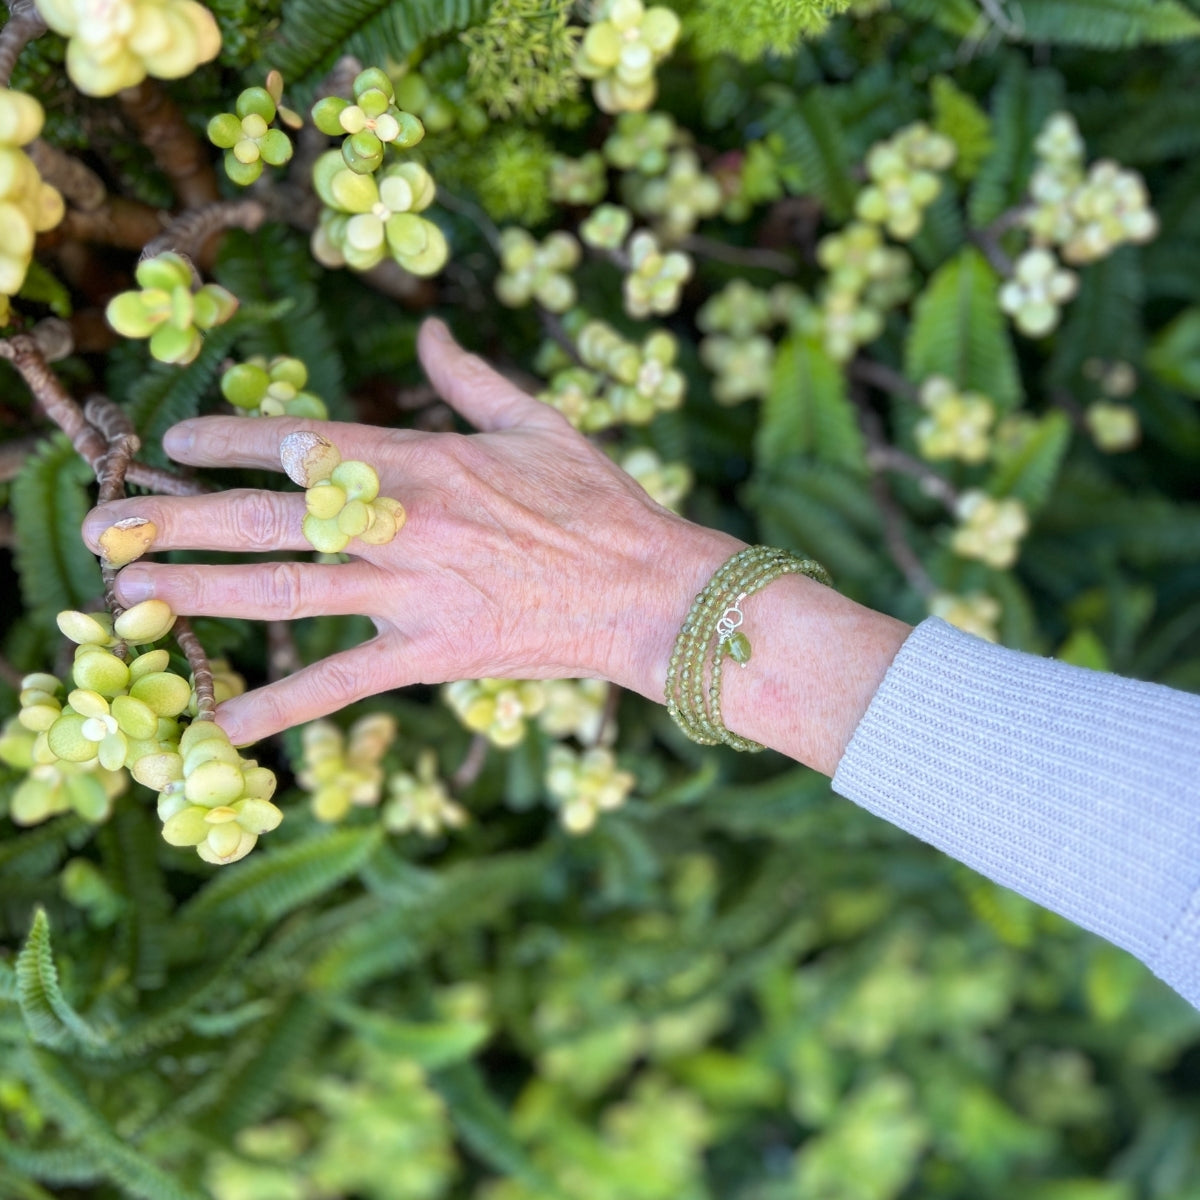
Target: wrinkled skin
[526, 554]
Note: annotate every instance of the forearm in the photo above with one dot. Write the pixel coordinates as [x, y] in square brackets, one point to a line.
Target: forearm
[818, 657]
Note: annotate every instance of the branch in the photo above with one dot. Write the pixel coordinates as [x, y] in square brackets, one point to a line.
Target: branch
[24, 25]
[740, 256]
[882, 378]
[471, 766]
[189, 232]
[283, 659]
[79, 184]
[882, 457]
[177, 151]
[125, 224]
[189, 643]
[123, 443]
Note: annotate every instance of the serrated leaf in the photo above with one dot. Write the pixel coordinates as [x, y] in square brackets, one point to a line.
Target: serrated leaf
[486, 1128]
[815, 143]
[314, 33]
[273, 882]
[958, 331]
[1021, 102]
[65, 1096]
[1107, 24]
[1029, 475]
[433, 1044]
[808, 410]
[1105, 319]
[48, 1015]
[50, 498]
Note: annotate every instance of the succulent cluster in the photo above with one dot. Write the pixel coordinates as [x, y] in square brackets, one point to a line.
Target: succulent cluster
[606, 227]
[956, 425]
[736, 347]
[1114, 426]
[578, 181]
[123, 714]
[116, 44]
[866, 278]
[437, 109]
[667, 483]
[974, 612]
[678, 199]
[641, 142]
[584, 785]
[216, 800]
[169, 309]
[368, 218]
[655, 279]
[622, 46]
[499, 709]
[344, 770]
[271, 388]
[419, 802]
[755, 175]
[372, 210]
[1086, 215]
[574, 708]
[341, 495]
[246, 135]
[638, 381]
[28, 205]
[1037, 290]
[369, 123]
[533, 271]
[904, 182]
[989, 529]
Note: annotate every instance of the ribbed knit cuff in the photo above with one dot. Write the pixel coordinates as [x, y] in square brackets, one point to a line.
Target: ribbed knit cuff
[1079, 789]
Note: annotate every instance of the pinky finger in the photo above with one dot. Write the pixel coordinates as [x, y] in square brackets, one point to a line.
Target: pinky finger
[315, 691]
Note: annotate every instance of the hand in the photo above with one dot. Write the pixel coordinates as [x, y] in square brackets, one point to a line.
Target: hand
[526, 554]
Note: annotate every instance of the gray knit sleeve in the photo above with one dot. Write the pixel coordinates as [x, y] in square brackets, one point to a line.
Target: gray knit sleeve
[1079, 789]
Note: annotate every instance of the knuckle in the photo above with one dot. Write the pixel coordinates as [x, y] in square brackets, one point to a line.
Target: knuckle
[351, 680]
[259, 521]
[280, 590]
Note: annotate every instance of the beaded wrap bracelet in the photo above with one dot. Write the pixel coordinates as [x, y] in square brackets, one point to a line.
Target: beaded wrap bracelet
[693, 688]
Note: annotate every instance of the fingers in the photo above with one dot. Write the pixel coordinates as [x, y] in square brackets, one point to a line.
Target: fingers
[257, 591]
[242, 519]
[243, 442]
[471, 387]
[317, 690]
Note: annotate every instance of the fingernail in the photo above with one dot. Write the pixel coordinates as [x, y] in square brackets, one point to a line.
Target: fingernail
[439, 329]
[134, 585]
[227, 718]
[95, 523]
[178, 439]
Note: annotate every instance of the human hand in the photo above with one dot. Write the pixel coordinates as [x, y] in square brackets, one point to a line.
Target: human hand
[526, 554]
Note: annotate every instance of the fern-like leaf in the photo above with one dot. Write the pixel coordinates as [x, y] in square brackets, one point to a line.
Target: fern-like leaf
[49, 501]
[136, 841]
[486, 1128]
[267, 885]
[1021, 102]
[815, 144]
[1029, 474]
[315, 32]
[1108, 24]
[272, 265]
[1105, 318]
[283, 1045]
[61, 1165]
[433, 1044]
[807, 410]
[49, 1016]
[65, 1101]
[958, 331]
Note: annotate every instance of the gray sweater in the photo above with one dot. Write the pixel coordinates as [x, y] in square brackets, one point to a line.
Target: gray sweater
[1079, 789]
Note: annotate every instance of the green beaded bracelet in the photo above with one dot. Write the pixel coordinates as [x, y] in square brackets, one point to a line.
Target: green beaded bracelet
[712, 627]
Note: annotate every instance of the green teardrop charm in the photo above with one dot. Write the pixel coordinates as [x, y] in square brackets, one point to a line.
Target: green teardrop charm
[738, 648]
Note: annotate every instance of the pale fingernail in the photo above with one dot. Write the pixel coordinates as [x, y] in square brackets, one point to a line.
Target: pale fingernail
[134, 585]
[179, 438]
[227, 718]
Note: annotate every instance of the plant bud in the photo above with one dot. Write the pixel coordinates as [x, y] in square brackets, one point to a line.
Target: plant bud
[308, 458]
[126, 540]
[87, 628]
[145, 622]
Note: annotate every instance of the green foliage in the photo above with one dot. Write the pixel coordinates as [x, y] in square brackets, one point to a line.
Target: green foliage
[807, 410]
[313, 33]
[49, 500]
[522, 57]
[739, 985]
[959, 332]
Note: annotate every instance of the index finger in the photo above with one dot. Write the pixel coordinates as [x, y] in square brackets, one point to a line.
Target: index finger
[254, 441]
